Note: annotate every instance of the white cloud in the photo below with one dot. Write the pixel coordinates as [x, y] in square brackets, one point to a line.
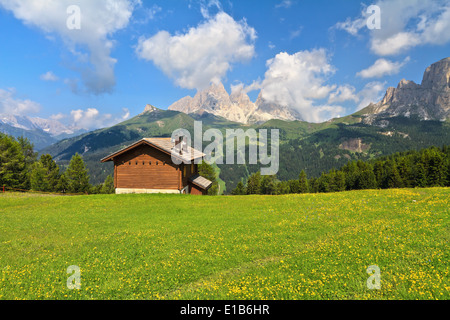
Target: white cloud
[298, 81]
[351, 26]
[436, 31]
[398, 43]
[371, 93]
[285, 4]
[343, 93]
[92, 118]
[99, 21]
[49, 76]
[58, 116]
[205, 6]
[126, 114]
[146, 14]
[202, 55]
[405, 24]
[10, 104]
[382, 67]
[295, 33]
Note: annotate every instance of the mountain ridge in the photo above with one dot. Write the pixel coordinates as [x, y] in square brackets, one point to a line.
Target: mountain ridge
[313, 147]
[236, 106]
[41, 132]
[429, 100]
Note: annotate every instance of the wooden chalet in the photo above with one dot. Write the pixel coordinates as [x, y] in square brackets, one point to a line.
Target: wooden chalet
[146, 166]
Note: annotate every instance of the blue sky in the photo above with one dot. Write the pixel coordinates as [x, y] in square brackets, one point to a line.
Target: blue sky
[318, 57]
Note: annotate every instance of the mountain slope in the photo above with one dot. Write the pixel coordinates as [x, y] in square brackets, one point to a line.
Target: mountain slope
[395, 124]
[41, 132]
[39, 138]
[429, 101]
[236, 107]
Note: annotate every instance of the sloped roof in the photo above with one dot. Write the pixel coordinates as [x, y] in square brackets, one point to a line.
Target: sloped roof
[200, 181]
[164, 145]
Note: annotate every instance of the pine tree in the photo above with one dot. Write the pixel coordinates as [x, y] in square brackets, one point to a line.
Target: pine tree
[394, 179]
[324, 184]
[378, 170]
[294, 186]
[436, 168]
[77, 175]
[30, 158]
[268, 185]
[108, 186]
[207, 171]
[282, 187]
[339, 181]
[367, 180]
[13, 171]
[45, 175]
[254, 183]
[63, 184]
[240, 189]
[303, 182]
[420, 175]
[38, 181]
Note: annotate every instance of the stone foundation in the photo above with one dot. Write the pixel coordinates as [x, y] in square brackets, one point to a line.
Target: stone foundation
[149, 191]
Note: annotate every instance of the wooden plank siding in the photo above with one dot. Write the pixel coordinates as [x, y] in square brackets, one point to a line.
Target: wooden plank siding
[188, 170]
[146, 168]
[196, 190]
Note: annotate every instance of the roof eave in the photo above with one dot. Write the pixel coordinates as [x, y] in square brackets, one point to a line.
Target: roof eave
[118, 153]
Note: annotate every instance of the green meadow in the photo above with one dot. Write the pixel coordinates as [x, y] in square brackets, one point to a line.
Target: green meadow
[306, 246]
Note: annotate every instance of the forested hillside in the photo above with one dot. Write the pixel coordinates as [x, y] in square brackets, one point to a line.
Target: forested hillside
[428, 167]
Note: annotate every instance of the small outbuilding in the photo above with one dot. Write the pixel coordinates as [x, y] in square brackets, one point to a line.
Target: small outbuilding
[146, 166]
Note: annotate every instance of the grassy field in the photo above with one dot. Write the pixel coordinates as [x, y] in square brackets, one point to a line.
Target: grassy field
[314, 246]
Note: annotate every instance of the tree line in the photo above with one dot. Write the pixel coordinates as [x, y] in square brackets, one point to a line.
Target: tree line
[428, 167]
[20, 168]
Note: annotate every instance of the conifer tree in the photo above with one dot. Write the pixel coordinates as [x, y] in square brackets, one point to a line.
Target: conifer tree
[13, 171]
[207, 171]
[108, 186]
[77, 175]
[240, 189]
[30, 157]
[254, 183]
[45, 175]
[303, 182]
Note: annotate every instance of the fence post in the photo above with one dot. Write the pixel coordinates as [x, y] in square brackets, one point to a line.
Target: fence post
[3, 188]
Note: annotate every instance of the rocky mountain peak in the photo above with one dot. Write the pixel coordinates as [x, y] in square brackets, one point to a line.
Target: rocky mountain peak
[235, 107]
[149, 108]
[429, 101]
[407, 84]
[437, 76]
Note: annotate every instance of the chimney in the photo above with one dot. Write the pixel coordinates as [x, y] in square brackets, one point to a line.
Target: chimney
[179, 144]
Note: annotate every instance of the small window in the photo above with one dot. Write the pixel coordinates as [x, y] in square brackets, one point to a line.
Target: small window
[136, 163]
[129, 163]
[150, 163]
[143, 162]
[156, 162]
